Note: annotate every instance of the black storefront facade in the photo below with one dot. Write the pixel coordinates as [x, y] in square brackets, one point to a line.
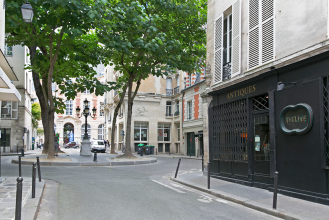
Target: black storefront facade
[257, 127]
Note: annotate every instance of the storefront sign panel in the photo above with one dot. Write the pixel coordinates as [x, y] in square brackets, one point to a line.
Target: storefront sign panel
[296, 119]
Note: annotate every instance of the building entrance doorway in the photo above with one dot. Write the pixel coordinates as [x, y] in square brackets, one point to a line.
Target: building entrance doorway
[68, 133]
[190, 144]
[5, 140]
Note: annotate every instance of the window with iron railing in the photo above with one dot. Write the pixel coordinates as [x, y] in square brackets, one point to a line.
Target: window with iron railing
[169, 92]
[176, 90]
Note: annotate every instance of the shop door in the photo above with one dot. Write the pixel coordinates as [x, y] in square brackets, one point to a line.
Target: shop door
[190, 144]
[300, 156]
[261, 148]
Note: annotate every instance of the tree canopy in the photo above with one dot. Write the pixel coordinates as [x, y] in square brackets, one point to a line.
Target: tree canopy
[62, 45]
[150, 37]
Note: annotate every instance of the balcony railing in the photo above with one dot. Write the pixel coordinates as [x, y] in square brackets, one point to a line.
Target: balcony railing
[168, 92]
[176, 113]
[168, 114]
[176, 90]
[226, 71]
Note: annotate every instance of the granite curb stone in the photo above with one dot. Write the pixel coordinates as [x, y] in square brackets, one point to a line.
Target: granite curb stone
[112, 163]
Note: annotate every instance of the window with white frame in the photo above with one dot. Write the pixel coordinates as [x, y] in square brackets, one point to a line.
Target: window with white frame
[140, 131]
[87, 91]
[227, 43]
[189, 110]
[9, 51]
[101, 109]
[53, 87]
[9, 110]
[168, 109]
[83, 130]
[177, 108]
[101, 132]
[163, 132]
[69, 107]
[260, 33]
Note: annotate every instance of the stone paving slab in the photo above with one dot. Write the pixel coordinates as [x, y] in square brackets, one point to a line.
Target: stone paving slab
[8, 199]
[255, 198]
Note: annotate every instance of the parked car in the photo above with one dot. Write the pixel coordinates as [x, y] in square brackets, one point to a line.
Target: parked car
[97, 146]
[71, 144]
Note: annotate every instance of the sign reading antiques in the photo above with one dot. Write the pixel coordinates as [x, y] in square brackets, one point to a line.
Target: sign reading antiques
[296, 119]
[241, 92]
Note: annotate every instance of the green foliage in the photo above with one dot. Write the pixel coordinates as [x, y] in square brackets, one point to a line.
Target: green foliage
[36, 114]
[40, 131]
[64, 28]
[143, 38]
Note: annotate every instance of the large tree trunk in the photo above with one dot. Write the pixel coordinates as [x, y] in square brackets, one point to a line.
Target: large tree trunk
[128, 153]
[115, 118]
[42, 101]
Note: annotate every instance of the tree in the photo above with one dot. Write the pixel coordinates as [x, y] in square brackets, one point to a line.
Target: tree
[62, 46]
[36, 114]
[147, 37]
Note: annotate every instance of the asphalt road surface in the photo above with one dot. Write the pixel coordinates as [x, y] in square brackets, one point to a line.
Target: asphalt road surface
[131, 192]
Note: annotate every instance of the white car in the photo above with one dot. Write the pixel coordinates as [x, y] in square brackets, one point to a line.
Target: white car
[97, 146]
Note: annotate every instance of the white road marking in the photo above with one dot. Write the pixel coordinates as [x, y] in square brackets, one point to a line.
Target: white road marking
[177, 190]
[204, 201]
[222, 201]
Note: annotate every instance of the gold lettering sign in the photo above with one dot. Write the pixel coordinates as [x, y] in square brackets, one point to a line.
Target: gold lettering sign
[242, 92]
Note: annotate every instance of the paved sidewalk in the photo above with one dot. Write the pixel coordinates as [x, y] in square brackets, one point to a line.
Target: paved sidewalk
[74, 159]
[255, 198]
[8, 198]
[177, 156]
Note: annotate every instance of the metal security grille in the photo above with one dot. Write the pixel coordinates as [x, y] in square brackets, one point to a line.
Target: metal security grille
[326, 118]
[230, 131]
[227, 71]
[260, 103]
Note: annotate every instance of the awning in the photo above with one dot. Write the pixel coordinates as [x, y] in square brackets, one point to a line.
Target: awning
[4, 64]
[8, 91]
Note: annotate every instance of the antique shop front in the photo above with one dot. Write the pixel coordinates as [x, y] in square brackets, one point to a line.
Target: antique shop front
[277, 121]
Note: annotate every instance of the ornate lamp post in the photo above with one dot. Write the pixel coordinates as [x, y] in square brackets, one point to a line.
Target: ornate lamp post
[85, 144]
[27, 12]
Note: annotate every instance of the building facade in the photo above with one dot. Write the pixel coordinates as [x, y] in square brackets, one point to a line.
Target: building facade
[72, 128]
[9, 95]
[267, 94]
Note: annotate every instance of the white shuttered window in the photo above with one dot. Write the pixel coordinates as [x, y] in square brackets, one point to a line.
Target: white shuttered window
[261, 32]
[227, 43]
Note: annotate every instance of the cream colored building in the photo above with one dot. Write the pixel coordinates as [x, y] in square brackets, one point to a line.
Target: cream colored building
[157, 112]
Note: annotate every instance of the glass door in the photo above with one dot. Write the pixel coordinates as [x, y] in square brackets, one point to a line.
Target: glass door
[261, 148]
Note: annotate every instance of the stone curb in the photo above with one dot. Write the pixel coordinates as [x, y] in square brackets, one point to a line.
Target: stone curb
[239, 200]
[112, 163]
[31, 208]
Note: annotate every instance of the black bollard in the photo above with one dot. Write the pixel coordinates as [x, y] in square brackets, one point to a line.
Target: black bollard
[95, 156]
[19, 166]
[19, 190]
[34, 170]
[22, 152]
[39, 170]
[202, 162]
[208, 175]
[275, 190]
[177, 168]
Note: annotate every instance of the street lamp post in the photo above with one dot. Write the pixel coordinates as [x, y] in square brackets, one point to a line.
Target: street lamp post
[27, 12]
[85, 144]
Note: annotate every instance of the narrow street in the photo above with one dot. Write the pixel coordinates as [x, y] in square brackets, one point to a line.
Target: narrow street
[131, 192]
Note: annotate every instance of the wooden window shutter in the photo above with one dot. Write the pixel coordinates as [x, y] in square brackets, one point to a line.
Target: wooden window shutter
[261, 32]
[236, 42]
[253, 35]
[218, 44]
[267, 30]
